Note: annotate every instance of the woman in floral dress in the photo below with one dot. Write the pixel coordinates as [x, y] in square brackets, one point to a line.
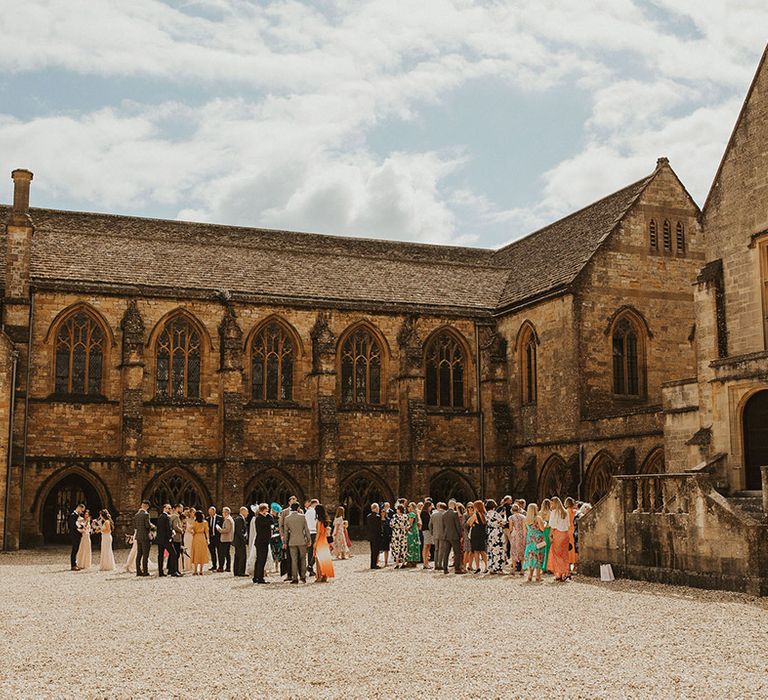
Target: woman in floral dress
[494, 541]
[399, 544]
[517, 538]
[340, 546]
[413, 541]
[534, 543]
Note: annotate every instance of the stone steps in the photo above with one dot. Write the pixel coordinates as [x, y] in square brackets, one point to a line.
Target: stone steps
[749, 502]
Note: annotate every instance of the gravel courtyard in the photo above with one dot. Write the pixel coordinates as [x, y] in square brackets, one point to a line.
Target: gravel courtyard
[369, 634]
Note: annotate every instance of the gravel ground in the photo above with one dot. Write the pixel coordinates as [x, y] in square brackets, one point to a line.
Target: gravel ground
[369, 634]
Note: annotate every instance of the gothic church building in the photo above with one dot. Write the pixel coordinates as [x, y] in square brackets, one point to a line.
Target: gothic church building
[208, 364]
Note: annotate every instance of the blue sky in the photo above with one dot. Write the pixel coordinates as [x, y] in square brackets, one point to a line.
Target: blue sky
[443, 121]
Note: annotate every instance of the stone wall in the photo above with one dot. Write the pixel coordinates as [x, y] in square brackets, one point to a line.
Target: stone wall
[6, 399]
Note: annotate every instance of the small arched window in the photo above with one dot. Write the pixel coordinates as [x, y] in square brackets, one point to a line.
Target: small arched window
[79, 355]
[528, 366]
[360, 369]
[178, 360]
[653, 235]
[667, 235]
[626, 359]
[680, 238]
[272, 355]
[444, 382]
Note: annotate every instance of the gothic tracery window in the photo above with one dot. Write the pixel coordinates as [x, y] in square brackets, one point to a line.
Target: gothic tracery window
[272, 487]
[175, 487]
[79, 355]
[272, 357]
[528, 367]
[626, 359]
[444, 372]
[178, 360]
[361, 369]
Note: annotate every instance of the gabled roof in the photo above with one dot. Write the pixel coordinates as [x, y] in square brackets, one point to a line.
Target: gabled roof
[550, 259]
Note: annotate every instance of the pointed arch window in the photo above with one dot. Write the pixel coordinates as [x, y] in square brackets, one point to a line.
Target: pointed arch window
[680, 238]
[528, 367]
[361, 369]
[79, 355]
[175, 487]
[653, 234]
[272, 358]
[627, 360]
[444, 372]
[667, 233]
[178, 360]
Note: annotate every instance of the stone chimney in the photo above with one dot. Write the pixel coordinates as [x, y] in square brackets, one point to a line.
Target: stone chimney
[20, 212]
[660, 162]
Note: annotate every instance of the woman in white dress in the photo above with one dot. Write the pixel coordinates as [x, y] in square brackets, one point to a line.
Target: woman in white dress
[189, 518]
[250, 563]
[106, 526]
[340, 546]
[130, 564]
[84, 556]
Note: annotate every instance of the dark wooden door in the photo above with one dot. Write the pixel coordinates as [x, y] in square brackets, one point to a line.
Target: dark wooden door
[755, 439]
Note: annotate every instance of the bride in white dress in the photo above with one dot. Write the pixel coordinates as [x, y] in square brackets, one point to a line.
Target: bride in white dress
[106, 526]
[130, 564]
[84, 556]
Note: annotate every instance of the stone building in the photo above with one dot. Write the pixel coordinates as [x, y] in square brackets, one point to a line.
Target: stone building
[215, 364]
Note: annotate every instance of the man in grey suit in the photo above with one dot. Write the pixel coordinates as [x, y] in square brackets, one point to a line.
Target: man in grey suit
[226, 537]
[452, 539]
[298, 539]
[437, 530]
[143, 526]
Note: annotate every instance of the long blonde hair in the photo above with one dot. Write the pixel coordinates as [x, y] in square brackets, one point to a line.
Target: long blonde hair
[531, 514]
[558, 507]
[546, 507]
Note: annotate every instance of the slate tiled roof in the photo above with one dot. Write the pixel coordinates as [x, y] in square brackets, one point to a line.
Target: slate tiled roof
[105, 249]
[550, 258]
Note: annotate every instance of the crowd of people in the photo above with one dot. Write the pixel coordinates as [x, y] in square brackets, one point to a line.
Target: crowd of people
[299, 542]
[478, 537]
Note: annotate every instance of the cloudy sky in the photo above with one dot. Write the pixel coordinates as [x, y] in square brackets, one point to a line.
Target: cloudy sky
[446, 121]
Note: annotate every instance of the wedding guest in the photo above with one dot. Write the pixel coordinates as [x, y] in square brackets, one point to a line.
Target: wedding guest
[189, 534]
[297, 540]
[201, 546]
[214, 523]
[177, 533]
[478, 536]
[495, 545]
[437, 531]
[426, 534]
[163, 542]
[322, 553]
[250, 565]
[387, 513]
[399, 544]
[373, 528]
[107, 525]
[348, 539]
[452, 537]
[142, 526]
[226, 530]
[544, 511]
[517, 538]
[276, 551]
[461, 511]
[340, 545]
[84, 555]
[468, 556]
[75, 536]
[262, 539]
[240, 541]
[559, 524]
[573, 557]
[311, 517]
[285, 560]
[413, 541]
[533, 560]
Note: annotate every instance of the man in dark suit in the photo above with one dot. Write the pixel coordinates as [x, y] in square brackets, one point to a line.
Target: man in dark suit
[241, 542]
[373, 528]
[75, 536]
[164, 543]
[214, 525]
[438, 533]
[263, 537]
[143, 526]
[451, 527]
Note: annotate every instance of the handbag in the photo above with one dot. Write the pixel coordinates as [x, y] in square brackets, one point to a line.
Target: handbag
[541, 545]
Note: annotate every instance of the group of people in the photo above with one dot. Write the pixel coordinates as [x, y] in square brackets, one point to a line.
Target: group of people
[297, 541]
[512, 535]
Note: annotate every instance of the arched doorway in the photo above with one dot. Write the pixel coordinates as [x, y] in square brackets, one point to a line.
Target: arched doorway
[755, 440]
[61, 500]
[175, 486]
[272, 487]
[450, 484]
[556, 479]
[357, 493]
[599, 477]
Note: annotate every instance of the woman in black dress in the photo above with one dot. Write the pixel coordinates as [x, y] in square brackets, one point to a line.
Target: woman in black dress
[386, 530]
[477, 537]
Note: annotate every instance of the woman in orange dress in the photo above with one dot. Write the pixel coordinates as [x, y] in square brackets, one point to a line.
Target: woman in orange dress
[200, 537]
[323, 563]
[573, 557]
[559, 524]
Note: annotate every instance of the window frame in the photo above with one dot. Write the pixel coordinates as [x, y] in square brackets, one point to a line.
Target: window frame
[203, 348]
[640, 334]
[383, 354]
[528, 372]
[432, 341]
[290, 336]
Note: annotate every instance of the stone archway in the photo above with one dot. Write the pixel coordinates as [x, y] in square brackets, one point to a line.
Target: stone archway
[755, 426]
[66, 492]
[556, 479]
[358, 491]
[450, 484]
[176, 486]
[272, 486]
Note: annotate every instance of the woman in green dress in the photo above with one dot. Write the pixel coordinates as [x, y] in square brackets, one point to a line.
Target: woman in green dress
[413, 555]
[546, 506]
